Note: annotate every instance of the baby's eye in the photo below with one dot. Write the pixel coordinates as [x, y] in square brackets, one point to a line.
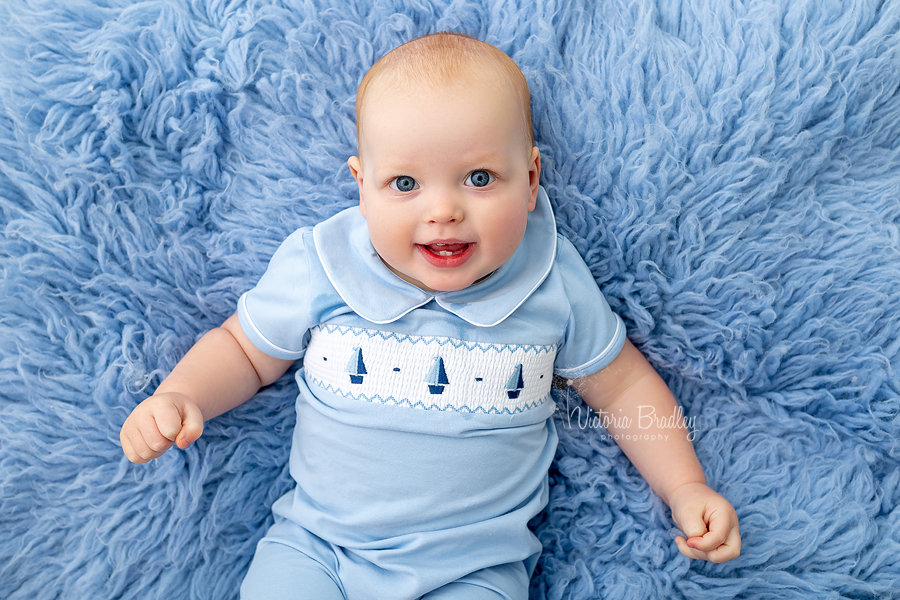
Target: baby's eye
[404, 183]
[479, 178]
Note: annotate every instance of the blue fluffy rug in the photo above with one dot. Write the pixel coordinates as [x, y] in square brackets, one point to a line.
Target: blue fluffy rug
[730, 171]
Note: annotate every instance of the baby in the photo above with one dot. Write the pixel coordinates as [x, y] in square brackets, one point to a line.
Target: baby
[430, 322]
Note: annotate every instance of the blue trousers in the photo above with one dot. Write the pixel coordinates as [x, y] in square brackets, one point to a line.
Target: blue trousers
[282, 572]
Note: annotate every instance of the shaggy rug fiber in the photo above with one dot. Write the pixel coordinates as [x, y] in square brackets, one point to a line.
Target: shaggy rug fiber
[729, 169]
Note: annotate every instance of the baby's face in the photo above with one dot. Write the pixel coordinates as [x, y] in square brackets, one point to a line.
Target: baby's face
[446, 182]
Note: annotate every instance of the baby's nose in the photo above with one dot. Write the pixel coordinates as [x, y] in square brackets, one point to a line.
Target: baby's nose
[444, 208]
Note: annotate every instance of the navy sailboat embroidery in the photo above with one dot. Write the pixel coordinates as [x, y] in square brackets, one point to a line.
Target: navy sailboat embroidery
[515, 383]
[356, 367]
[437, 376]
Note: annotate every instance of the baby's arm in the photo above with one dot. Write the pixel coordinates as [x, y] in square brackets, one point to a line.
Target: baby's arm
[222, 370]
[630, 387]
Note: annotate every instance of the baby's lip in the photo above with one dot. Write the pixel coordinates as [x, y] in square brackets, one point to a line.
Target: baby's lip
[445, 241]
[446, 247]
[447, 254]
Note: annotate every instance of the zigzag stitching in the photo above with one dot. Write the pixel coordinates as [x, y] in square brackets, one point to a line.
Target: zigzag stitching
[419, 404]
[441, 341]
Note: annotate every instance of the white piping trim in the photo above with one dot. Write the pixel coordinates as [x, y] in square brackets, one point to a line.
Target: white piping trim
[620, 326]
[244, 315]
[363, 314]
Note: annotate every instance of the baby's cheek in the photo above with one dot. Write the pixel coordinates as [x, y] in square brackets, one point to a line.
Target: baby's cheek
[509, 231]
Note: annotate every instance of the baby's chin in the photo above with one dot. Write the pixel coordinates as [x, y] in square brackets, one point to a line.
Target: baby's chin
[436, 285]
[451, 287]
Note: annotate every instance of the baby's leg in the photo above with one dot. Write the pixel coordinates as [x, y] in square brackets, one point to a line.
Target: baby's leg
[279, 572]
[507, 582]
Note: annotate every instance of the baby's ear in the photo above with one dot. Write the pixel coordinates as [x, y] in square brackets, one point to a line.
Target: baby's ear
[356, 171]
[355, 168]
[534, 176]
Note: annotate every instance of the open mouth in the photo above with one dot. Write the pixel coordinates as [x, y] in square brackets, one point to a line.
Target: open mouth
[446, 249]
[447, 254]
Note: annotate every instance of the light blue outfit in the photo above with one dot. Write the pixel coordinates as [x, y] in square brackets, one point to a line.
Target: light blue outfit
[423, 436]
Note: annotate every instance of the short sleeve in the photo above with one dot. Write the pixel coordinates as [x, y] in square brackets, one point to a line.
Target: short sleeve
[275, 315]
[594, 334]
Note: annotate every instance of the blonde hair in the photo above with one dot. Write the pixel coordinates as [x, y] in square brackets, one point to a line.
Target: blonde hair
[437, 58]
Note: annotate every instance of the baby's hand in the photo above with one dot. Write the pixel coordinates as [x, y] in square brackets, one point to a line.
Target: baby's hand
[158, 422]
[708, 520]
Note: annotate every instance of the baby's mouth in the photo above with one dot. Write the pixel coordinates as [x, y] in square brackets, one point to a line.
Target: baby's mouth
[447, 249]
[447, 254]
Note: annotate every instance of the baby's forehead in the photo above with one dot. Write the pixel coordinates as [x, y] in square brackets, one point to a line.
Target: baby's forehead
[397, 95]
[436, 73]
[421, 89]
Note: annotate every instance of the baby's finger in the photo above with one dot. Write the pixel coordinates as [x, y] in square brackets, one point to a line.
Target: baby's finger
[708, 541]
[167, 421]
[691, 524]
[687, 550]
[722, 528]
[128, 447]
[136, 447]
[191, 426]
[730, 549]
[149, 442]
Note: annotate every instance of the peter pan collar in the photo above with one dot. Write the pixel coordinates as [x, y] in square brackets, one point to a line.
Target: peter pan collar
[376, 294]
